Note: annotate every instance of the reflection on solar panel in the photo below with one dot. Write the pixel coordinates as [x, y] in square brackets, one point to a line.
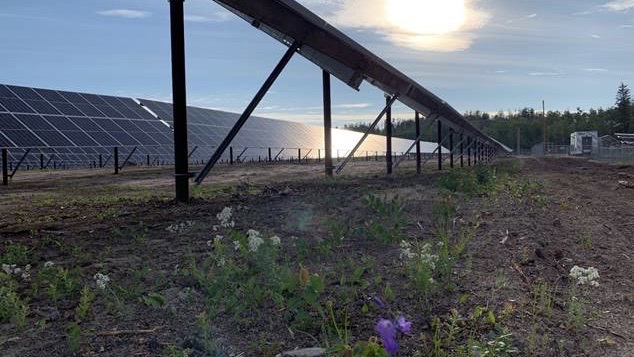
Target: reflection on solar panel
[207, 126]
[75, 129]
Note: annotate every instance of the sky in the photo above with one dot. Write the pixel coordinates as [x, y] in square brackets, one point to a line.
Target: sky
[486, 55]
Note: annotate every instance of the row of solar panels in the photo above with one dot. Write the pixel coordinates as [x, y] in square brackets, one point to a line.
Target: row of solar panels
[75, 128]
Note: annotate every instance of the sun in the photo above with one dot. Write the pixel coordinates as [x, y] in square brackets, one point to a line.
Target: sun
[428, 17]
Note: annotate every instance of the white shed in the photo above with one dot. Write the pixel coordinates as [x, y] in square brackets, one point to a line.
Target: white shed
[584, 142]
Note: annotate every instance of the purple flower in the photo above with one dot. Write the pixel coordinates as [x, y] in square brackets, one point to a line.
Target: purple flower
[378, 302]
[387, 331]
[403, 325]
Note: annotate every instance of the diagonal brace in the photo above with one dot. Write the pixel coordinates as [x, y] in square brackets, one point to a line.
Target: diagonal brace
[367, 132]
[128, 158]
[418, 139]
[17, 166]
[248, 111]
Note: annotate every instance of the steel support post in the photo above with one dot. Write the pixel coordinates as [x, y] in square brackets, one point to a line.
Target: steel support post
[365, 135]
[41, 161]
[439, 145]
[299, 155]
[388, 134]
[270, 156]
[5, 167]
[179, 95]
[469, 151]
[248, 111]
[148, 160]
[116, 160]
[230, 155]
[327, 123]
[418, 158]
[451, 148]
[100, 160]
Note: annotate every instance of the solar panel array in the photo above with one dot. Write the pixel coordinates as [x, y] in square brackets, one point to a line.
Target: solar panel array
[74, 129]
[207, 126]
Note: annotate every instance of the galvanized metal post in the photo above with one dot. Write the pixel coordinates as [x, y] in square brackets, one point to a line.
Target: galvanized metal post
[439, 145]
[100, 160]
[299, 155]
[388, 133]
[451, 148]
[116, 160]
[327, 123]
[179, 95]
[5, 167]
[230, 155]
[148, 160]
[41, 161]
[270, 156]
[418, 158]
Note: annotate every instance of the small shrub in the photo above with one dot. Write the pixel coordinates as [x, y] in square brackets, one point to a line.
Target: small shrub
[16, 254]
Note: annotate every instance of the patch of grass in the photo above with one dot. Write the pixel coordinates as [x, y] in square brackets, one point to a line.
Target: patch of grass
[16, 253]
[388, 226]
[12, 308]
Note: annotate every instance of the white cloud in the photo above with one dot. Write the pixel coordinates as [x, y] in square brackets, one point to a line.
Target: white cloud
[594, 35]
[501, 71]
[619, 5]
[216, 17]
[126, 13]
[595, 70]
[532, 16]
[626, 26]
[544, 74]
[371, 14]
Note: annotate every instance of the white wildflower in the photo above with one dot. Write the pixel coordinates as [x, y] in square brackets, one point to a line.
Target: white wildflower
[26, 274]
[217, 239]
[101, 280]
[225, 218]
[585, 276]
[8, 269]
[406, 250]
[236, 245]
[221, 262]
[275, 240]
[48, 264]
[209, 243]
[255, 240]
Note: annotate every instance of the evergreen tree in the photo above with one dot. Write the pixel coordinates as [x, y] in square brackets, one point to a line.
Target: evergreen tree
[624, 109]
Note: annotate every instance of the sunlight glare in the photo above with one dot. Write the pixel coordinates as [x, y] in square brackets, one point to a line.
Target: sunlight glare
[430, 17]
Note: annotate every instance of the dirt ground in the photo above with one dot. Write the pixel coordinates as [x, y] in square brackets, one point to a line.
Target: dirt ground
[550, 215]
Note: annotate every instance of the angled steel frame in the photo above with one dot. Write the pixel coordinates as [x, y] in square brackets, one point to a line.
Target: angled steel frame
[417, 142]
[367, 133]
[248, 111]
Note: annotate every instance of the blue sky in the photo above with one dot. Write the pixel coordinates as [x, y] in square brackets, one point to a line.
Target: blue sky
[505, 56]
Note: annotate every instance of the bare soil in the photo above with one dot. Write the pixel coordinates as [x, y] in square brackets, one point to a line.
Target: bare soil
[91, 221]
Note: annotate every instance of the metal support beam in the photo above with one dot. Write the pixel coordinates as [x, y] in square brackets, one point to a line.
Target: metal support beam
[299, 155]
[469, 143]
[17, 166]
[461, 150]
[270, 157]
[327, 123]
[451, 148]
[388, 134]
[418, 159]
[278, 154]
[439, 145]
[367, 132]
[230, 155]
[239, 157]
[248, 111]
[416, 142]
[41, 161]
[5, 167]
[125, 162]
[49, 161]
[192, 152]
[116, 160]
[308, 153]
[179, 98]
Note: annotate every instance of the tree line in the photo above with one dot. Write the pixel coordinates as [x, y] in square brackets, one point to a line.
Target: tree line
[504, 127]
